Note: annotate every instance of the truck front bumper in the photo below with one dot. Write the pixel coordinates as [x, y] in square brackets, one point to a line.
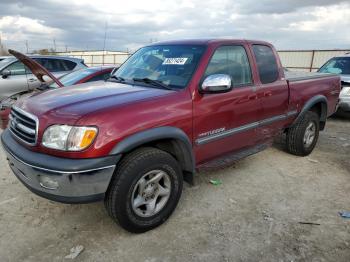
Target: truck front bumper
[59, 179]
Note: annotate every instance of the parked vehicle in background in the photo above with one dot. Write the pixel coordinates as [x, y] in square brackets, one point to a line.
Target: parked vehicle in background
[3, 57]
[170, 109]
[340, 65]
[15, 77]
[83, 75]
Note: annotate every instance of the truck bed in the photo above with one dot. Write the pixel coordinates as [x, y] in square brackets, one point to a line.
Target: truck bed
[304, 85]
[293, 76]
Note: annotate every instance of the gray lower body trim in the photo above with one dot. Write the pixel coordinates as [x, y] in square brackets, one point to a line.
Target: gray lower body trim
[60, 171]
[234, 131]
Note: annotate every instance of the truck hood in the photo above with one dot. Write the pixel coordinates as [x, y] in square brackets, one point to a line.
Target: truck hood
[68, 104]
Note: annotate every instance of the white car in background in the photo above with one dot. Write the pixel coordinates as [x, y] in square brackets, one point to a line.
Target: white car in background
[15, 77]
[340, 65]
[3, 57]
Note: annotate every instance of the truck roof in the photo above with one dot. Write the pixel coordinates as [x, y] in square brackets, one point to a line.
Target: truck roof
[207, 41]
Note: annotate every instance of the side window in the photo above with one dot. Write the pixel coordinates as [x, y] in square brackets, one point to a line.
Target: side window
[233, 61]
[53, 65]
[69, 65]
[18, 68]
[267, 64]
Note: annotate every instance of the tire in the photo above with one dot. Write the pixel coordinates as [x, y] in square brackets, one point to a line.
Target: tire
[296, 134]
[144, 164]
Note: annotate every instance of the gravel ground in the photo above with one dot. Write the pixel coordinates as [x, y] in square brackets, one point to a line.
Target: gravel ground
[253, 215]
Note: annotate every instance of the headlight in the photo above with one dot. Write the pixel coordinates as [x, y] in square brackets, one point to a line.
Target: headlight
[69, 138]
[345, 91]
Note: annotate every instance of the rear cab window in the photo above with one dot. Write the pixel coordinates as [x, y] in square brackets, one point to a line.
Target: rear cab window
[266, 63]
[233, 61]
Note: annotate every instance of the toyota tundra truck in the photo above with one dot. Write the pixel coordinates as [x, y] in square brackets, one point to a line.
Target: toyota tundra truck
[171, 109]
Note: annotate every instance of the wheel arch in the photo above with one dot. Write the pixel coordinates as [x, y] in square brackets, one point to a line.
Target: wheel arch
[318, 104]
[169, 139]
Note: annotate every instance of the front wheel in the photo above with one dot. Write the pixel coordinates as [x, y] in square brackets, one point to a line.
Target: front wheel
[303, 136]
[145, 190]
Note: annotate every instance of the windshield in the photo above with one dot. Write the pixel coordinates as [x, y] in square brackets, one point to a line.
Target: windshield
[337, 65]
[172, 65]
[73, 77]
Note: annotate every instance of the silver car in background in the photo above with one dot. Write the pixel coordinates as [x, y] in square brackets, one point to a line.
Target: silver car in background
[15, 77]
[3, 57]
[340, 65]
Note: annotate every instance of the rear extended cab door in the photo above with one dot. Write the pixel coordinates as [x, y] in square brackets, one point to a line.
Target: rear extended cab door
[226, 122]
[272, 91]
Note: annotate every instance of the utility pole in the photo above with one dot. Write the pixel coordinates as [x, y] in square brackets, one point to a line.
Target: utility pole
[66, 48]
[54, 44]
[104, 44]
[27, 47]
[2, 48]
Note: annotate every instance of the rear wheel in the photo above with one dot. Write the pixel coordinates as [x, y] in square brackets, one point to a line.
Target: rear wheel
[145, 190]
[303, 136]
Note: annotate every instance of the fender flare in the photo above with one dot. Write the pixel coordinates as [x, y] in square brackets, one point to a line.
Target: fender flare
[310, 103]
[156, 134]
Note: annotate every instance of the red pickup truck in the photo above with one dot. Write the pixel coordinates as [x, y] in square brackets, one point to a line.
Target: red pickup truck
[171, 108]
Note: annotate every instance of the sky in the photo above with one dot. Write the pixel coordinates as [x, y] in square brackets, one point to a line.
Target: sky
[128, 25]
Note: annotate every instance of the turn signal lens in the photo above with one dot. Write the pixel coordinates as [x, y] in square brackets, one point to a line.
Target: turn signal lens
[88, 137]
[81, 138]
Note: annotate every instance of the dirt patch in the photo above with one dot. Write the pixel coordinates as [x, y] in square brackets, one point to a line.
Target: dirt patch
[253, 215]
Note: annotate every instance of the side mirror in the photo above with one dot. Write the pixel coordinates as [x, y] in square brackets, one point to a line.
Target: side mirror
[5, 73]
[218, 83]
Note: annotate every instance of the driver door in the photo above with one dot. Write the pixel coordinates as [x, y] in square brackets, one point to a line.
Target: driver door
[226, 122]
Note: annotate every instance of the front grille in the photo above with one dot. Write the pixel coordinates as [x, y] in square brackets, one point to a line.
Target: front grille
[23, 125]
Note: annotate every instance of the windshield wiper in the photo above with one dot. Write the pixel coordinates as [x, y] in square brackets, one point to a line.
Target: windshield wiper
[153, 82]
[117, 79]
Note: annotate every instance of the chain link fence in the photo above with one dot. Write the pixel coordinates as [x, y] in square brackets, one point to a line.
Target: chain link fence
[307, 60]
[98, 58]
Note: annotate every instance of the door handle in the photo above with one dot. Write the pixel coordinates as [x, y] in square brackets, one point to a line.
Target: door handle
[268, 93]
[32, 80]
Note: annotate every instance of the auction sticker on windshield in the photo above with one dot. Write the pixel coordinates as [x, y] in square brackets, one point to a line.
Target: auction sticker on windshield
[175, 61]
